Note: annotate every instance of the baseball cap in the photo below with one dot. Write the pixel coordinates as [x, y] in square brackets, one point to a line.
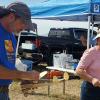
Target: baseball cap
[97, 36]
[3, 11]
[22, 10]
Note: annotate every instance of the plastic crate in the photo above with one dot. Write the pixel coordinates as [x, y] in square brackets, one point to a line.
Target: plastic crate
[29, 64]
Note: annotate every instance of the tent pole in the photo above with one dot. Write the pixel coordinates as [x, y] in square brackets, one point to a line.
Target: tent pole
[18, 44]
[92, 32]
[92, 29]
[88, 35]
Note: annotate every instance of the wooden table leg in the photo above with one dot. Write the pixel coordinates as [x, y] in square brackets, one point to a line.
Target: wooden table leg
[63, 87]
[48, 89]
[49, 84]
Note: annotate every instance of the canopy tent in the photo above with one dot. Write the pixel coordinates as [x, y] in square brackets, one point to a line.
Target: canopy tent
[69, 10]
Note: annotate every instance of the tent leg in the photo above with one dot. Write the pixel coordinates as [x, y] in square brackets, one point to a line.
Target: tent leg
[92, 32]
[88, 35]
[18, 44]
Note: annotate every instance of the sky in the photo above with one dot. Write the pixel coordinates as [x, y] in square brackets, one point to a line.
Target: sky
[45, 25]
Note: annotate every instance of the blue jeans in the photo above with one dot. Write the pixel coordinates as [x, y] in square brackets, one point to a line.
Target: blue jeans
[89, 92]
[4, 96]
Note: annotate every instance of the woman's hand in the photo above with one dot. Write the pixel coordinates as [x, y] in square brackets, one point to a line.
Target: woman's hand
[96, 82]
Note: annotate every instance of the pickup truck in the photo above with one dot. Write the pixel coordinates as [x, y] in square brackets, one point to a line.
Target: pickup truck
[63, 39]
[58, 40]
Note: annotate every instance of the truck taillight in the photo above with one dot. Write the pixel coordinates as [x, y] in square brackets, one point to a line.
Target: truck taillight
[38, 43]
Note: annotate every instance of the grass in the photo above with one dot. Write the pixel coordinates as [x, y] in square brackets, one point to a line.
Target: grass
[72, 91]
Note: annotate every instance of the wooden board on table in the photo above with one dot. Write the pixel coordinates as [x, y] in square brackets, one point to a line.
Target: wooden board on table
[61, 69]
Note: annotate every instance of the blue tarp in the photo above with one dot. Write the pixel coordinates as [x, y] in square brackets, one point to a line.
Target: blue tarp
[77, 10]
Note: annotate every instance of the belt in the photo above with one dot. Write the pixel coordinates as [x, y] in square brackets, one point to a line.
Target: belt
[4, 89]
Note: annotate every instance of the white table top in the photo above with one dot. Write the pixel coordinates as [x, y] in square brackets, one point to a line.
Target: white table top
[62, 69]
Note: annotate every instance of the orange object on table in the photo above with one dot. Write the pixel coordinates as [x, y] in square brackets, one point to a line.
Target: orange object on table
[54, 73]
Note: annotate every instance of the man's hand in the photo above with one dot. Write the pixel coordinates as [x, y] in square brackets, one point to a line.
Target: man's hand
[28, 82]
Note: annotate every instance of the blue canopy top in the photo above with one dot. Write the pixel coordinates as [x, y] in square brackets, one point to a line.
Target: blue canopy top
[77, 10]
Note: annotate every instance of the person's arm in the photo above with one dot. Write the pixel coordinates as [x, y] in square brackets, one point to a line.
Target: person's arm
[84, 63]
[85, 76]
[14, 74]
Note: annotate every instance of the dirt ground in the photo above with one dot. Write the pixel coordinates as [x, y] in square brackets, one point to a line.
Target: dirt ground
[72, 91]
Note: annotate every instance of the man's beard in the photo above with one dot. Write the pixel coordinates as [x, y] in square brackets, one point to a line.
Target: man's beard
[13, 29]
